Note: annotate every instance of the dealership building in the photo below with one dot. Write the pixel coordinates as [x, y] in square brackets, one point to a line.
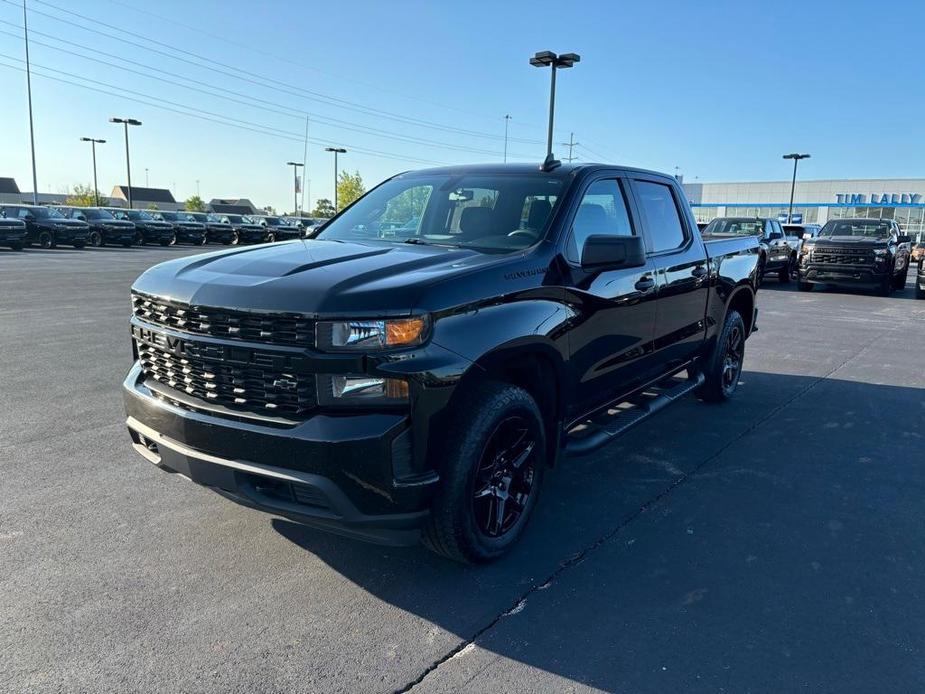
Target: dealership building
[816, 202]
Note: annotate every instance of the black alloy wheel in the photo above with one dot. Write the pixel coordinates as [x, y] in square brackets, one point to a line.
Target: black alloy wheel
[732, 358]
[723, 368]
[139, 239]
[95, 239]
[503, 482]
[235, 238]
[46, 240]
[271, 237]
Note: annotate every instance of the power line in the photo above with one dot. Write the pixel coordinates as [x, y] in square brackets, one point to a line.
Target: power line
[242, 125]
[291, 113]
[262, 81]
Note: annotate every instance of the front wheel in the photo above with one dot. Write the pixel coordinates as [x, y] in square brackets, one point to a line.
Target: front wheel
[95, 239]
[724, 366]
[271, 237]
[139, 239]
[899, 281]
[786, 272]
[46, 240]
[493, 464]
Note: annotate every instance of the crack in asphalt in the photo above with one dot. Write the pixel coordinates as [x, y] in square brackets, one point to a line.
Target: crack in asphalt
[518, 604]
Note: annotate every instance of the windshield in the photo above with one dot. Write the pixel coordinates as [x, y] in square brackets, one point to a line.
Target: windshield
[137, 216]
[272, 220]
[865, 228]
[97, 214]
[199, 216]
[167, 216]
[736, 225]
[488, 211]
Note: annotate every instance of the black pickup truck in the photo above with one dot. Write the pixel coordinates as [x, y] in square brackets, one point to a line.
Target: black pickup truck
[414, 368]
[779, 248]
[185, 227]
[278, 229]
[104, 227]
[46, 226]
[868, 253]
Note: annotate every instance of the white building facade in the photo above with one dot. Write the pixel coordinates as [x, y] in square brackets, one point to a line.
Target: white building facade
[816, 202]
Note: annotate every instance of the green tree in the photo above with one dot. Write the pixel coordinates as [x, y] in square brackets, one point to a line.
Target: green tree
[349, 188]
[195, 204]
[81, 196]
[152, 206]
[323, 208]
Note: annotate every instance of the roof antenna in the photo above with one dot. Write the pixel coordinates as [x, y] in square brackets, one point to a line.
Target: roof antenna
[550, 163]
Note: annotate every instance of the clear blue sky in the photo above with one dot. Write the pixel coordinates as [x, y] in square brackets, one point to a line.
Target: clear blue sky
[718, 89]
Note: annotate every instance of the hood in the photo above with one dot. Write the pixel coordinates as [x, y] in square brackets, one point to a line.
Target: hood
[312, 277]
[117, 223]
[853, 241]
[68, 222]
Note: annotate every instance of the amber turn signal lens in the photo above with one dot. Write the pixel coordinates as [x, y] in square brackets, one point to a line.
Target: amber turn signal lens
[403, 332]
[396, 388]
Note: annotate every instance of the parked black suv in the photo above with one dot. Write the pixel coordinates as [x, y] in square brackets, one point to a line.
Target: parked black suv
[418, 364]
[214, 231]
[185, 226]
[104, 227]
[871, 253]
[47, 226]
[779, 248]
[278, 229]
[148, 229]
[244, 229]
[12, 233]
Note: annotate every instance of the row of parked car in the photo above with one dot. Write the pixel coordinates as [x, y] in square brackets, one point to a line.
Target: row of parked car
[867, 253]
[47, 227]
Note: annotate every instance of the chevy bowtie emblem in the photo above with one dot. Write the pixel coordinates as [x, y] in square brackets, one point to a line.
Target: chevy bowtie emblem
[285, 384]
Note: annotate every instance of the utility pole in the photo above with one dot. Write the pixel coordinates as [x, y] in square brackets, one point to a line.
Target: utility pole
[507, 120]
[571, 144]
[96, 188]
[197, 188]
[25, 27]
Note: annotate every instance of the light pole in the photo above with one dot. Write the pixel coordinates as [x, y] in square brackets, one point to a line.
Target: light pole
[507, 120]
[295, 185]
[793, 184]
[147, 185]
[93, 144]
[25, 28]
[544, 59]
[128, 164]
[336, 150]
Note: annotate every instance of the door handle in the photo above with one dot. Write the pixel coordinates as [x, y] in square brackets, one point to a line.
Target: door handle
[699, 271]
[645, 284]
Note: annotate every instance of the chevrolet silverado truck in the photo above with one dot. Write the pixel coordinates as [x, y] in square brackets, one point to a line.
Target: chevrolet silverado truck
[104, 227]
[868, 253]
[779, 249]
[413, 369]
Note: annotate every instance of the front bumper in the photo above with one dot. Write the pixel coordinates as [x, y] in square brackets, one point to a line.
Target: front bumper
[220, 235]
[71, 236]
[190, 235]
[12, 235]
[252, 235]
[335, 472]
[844, 275]
[156, 235]
[118, 235]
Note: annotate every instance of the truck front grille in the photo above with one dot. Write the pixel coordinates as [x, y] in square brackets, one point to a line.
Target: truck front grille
[843, 256]
[269, 328]
[246, 387]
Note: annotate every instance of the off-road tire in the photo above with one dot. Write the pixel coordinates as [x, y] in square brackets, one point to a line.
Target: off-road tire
[451, 529]
[715, 388]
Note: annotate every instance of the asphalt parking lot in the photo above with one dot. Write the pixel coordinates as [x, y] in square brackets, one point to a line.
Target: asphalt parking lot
[773, 544]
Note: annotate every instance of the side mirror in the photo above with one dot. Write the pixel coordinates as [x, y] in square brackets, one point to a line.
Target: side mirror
[604, 251]
[905, 238]
[775, 236]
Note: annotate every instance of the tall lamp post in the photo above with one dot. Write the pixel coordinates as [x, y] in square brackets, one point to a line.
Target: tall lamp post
[25, 27]
[128, 165]
[550, 59]
[793, 184]
[336, 150]
[93, 144]
[295, 185]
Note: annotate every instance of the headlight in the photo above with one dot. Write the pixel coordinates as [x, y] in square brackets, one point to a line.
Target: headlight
[354, 390]
[805, 250]
[364, 335]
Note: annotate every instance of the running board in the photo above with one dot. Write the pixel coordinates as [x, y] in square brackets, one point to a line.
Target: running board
[591, 434]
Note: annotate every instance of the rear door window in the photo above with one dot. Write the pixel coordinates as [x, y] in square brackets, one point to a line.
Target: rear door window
[662, 217]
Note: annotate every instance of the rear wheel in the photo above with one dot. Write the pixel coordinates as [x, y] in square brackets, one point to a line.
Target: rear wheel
[759, 272]
[46, 240]
[724, 366]
[492, 470]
